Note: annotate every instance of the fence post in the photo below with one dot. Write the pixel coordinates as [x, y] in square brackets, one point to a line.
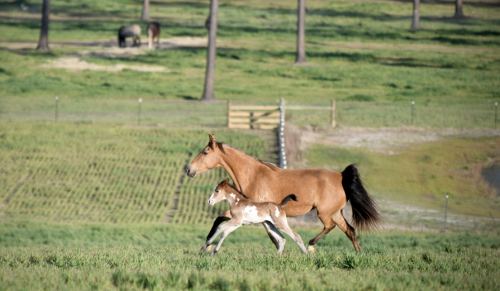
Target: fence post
[333, 114]
[139, 113]
[282, 134]
[496, 108]
[412, 109]
[229, 113]
[57, 105]
[445, 212]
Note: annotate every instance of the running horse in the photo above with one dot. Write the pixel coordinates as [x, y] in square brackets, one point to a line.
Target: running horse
[245, 211]
[321, 189]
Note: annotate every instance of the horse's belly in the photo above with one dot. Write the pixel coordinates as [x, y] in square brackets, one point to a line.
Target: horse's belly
[252, 215]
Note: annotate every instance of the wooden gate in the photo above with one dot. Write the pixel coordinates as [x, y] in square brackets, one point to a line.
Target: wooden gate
[253, 117]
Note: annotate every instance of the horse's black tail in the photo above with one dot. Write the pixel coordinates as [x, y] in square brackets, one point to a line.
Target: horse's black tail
[287, 198]
[365, 211]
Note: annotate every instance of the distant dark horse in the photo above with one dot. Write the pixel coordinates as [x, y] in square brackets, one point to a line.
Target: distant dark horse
[153, 31]
[133, 31]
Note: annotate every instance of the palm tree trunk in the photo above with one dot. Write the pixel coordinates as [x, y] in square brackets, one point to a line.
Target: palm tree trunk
[43, 42]
[301, 32]
[415, 24]
[458, 9]
[208, 91]
[145, 10]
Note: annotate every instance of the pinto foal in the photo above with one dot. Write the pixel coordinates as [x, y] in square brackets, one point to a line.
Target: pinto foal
[246, 211]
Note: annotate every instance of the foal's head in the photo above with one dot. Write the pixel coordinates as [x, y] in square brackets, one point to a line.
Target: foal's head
[220, 192]
[207, 159]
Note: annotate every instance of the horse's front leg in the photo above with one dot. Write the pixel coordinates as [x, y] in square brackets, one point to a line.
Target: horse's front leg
[222, 218]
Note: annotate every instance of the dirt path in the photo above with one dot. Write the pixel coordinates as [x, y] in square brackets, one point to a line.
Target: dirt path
[107, 49]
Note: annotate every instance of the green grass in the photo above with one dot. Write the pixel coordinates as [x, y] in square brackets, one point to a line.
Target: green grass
[422, 174]
[158, 257]
[86, 172]
[353, 49]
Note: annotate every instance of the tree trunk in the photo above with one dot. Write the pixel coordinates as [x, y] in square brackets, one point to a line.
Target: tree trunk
[208, 91]
[145, 10]
[301, 32]
[43, 43]
[415, 24]
[458, 9]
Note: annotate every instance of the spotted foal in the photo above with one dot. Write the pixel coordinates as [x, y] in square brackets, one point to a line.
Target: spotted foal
[246, 211]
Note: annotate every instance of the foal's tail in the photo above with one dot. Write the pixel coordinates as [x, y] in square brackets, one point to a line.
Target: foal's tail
[287, 198]
[365, 211]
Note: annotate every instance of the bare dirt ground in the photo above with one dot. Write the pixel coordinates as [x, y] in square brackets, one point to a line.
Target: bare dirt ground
[110, 50]
[387, 141]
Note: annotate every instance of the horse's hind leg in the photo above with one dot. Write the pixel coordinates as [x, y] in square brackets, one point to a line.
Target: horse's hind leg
[283, 225]
[271, 236]
[276, 234]
[346, 228]
[329, 224]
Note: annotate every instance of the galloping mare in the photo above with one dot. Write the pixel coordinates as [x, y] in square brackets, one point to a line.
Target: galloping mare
[246, 211]
[321, 189]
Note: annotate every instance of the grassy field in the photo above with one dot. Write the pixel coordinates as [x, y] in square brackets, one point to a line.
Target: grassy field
[356, 50]
[97, 202]
[160, 257]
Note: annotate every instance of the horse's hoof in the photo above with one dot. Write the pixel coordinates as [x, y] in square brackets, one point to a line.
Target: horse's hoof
[212, 254]
[310, 249]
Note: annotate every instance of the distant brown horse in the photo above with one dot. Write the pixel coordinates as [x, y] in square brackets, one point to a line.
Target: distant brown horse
[246, 211]
[321, 189]
[153, 31]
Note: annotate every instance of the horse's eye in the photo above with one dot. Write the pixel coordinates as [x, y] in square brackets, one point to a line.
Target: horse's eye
[205, 153]
[217, 191]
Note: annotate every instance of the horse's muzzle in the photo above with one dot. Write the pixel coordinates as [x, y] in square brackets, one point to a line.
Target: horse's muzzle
[190, 173]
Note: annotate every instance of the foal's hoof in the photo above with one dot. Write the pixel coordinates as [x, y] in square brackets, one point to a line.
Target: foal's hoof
[310, 249]
[206, 248]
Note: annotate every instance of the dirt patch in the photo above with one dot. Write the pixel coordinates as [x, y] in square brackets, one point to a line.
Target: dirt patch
[111, 45]
[74, 63]
[387, 141]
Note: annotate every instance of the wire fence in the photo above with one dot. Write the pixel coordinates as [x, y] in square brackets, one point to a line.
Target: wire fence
[192, 113]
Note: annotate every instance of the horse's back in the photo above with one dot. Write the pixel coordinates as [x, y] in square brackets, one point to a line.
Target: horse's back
[313, 188]
[131, 30]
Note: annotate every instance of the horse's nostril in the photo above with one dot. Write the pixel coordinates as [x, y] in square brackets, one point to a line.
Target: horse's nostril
[187, 170]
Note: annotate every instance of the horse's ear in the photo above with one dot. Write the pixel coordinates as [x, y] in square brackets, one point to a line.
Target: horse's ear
[213, 141]
[227, 181]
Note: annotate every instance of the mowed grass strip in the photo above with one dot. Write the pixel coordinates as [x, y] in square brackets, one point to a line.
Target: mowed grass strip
[104, 173]
[423, 174]
[159, 256]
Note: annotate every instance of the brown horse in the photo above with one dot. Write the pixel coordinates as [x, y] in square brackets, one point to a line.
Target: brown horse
[245, 211]
[321, 189]
[153, 31]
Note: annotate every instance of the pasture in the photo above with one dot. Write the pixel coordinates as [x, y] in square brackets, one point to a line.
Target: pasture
[97, 201]
[165, 257]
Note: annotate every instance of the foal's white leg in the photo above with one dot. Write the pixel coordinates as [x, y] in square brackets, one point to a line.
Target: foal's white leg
[219, 230]
[225, 233]
[295, 236]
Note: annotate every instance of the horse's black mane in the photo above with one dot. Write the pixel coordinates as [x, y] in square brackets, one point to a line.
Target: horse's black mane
[220, 146]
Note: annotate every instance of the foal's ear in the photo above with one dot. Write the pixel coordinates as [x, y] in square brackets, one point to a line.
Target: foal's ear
[213, 141]
[227, 181]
